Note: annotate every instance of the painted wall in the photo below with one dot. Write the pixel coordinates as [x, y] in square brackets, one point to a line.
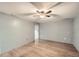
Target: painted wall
[76, 33]
[60, 31]
[14, 32]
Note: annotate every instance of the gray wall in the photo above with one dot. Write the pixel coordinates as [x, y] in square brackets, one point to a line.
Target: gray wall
[60, 31]
[14, 32]
[76, 33]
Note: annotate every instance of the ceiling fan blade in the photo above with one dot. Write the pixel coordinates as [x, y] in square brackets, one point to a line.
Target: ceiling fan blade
[37, 11]
[48, 16]
[26, 14]
[55, 5]
[48, 12]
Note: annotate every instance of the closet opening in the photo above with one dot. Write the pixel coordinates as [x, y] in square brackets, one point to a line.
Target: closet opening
[37, 33]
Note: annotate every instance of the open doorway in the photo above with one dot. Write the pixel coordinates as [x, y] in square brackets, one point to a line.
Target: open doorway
[36, 33]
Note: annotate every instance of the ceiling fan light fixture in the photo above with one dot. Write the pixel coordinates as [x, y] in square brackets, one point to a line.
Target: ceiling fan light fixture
[42, 16]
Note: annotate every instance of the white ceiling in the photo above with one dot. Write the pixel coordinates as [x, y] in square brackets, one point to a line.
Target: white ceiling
[66, 9]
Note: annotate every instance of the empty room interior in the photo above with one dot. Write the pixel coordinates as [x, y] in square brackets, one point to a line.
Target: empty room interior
[39, 29]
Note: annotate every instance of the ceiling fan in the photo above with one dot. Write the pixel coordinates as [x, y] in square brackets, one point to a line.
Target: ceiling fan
[38, 12]
[43, 13]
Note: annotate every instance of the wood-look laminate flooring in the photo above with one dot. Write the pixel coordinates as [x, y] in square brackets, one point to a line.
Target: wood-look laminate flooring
[44, 48]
